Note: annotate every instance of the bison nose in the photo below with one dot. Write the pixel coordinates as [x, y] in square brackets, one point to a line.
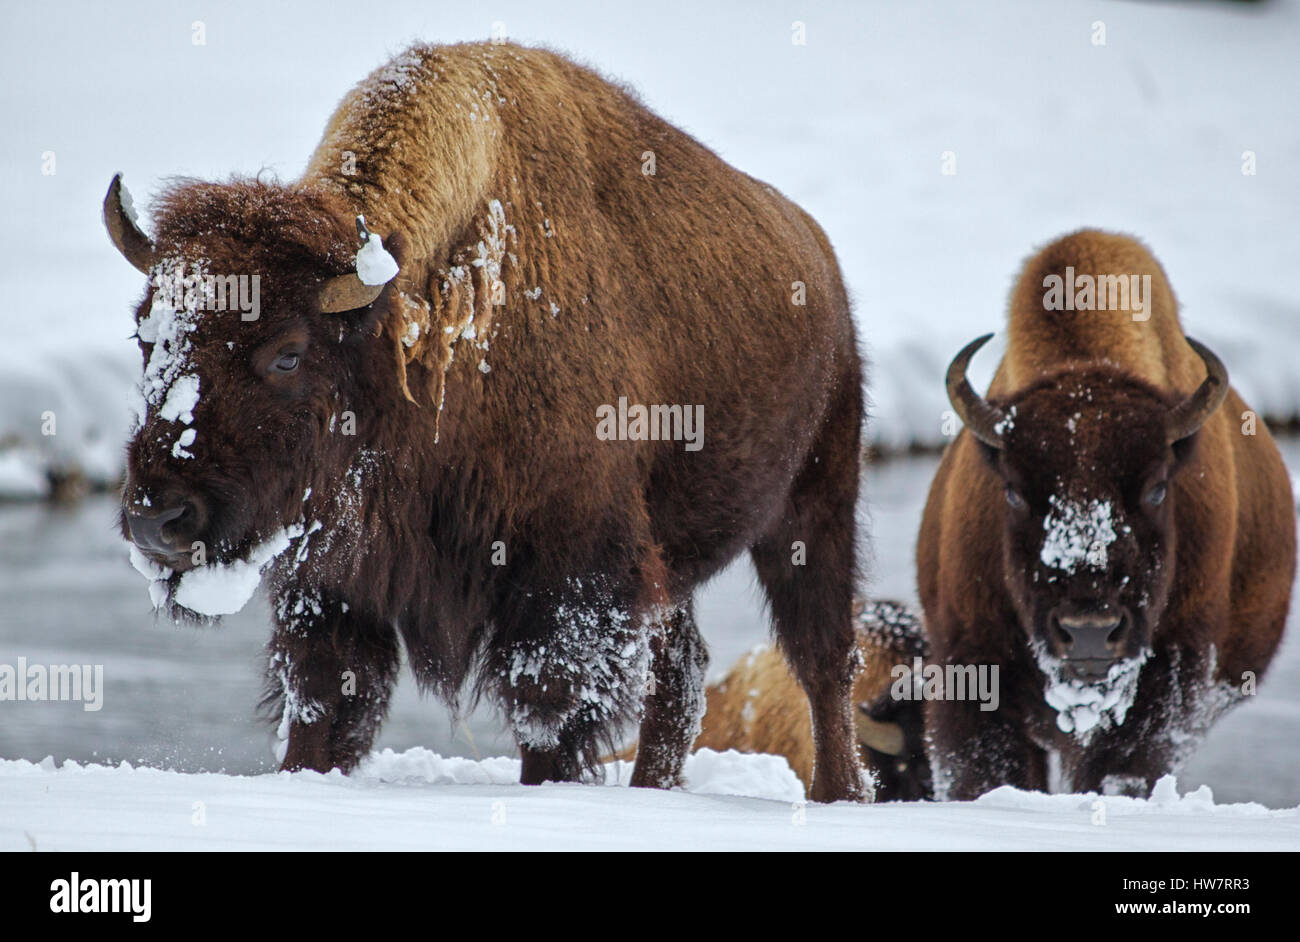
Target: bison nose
[167, 532]
[1091, 642]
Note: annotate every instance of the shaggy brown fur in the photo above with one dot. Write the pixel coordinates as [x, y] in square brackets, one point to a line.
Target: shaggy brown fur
[475, 514]
[759, 706]
[1202, 578]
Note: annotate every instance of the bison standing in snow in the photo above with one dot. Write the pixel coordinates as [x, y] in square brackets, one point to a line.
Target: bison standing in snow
[1113, 528]
[412, 442]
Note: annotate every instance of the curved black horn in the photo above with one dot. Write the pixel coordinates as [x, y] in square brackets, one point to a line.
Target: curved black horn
[1190, 414]
[979, 415]
[136, 247]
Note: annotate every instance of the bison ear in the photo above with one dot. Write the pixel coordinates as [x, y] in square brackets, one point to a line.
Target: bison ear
[378, 312]
[1184, 448]
[989, 455]
[397, 246]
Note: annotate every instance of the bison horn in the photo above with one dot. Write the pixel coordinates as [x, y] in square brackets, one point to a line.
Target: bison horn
[979, 415]
[348, 292]
[119, 220]
[878, 735]
[1190, 414]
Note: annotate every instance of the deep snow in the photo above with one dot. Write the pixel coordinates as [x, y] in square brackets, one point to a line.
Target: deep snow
[417, 800]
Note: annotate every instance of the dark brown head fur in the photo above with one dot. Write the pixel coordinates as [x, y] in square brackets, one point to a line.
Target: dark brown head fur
[270, 379]
[1089, 487]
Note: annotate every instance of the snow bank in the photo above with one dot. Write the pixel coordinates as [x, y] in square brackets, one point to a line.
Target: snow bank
[856, 126]
[417, 800]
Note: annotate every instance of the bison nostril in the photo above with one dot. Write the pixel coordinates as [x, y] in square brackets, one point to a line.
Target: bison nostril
[1097, 636]
[157, 531]
[1061, 636]
[180, 521]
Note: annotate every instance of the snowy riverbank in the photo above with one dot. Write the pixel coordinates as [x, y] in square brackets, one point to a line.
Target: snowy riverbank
[416, 800]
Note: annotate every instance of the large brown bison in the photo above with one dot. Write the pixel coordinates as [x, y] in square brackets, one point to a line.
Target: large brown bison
[490, 445]
[1113, 528]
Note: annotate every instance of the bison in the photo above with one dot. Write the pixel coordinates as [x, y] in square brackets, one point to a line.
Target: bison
[416, 443]
[1113, 527]
[759, 707]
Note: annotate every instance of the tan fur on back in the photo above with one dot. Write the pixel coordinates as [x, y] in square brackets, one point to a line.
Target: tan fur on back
[483, 155]
[759, 707]
[1040, 342]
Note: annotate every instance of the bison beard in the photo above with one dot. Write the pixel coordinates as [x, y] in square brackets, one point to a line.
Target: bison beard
[431, 443]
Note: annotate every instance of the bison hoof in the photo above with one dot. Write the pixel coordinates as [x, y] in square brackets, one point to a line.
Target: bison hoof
[826, 789]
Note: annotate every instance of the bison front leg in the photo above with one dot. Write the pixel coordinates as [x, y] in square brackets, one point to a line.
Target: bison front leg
[973, 751]
[674, 701]
[330, 673]
[572, 681]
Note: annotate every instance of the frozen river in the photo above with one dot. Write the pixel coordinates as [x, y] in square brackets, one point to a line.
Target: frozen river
[184, 698]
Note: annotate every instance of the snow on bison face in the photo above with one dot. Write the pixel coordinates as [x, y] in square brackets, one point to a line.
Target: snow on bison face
[1088, 462]
[1088, 536]
[243, 380]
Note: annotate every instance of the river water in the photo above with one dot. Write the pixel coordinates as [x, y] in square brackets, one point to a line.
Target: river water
[182, 697]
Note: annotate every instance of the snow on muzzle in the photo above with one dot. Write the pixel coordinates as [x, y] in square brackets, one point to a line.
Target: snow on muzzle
[218, 588]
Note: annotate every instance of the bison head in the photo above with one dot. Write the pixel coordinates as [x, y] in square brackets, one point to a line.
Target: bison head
[251, 333]
[1088, 461]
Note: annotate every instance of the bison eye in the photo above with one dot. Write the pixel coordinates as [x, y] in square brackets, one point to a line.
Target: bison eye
[1156, 496]
[287, 363]
[1014, 500]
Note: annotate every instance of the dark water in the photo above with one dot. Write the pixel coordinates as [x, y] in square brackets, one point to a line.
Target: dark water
[184, 698]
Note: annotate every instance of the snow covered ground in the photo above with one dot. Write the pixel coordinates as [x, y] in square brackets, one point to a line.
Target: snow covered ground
[416, 800]
[1049, 132]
